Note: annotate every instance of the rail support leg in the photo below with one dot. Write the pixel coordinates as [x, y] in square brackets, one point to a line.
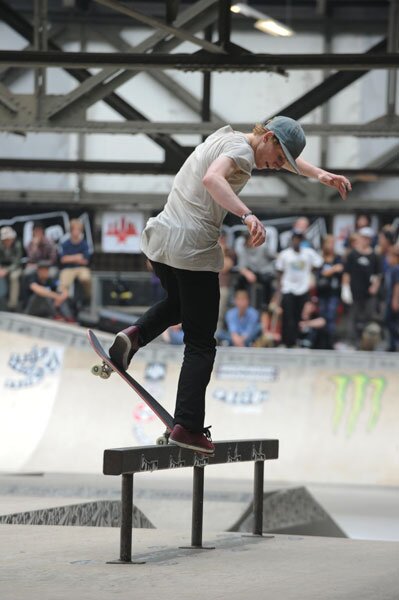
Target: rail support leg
[126, 523]
[257, 529]
[259, 471]
[198, 509]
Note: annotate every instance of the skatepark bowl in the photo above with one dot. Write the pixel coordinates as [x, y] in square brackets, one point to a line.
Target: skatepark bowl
[329, 506]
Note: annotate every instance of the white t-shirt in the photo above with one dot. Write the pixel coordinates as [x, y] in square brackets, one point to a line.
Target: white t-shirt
[185, 234]
[297, 269]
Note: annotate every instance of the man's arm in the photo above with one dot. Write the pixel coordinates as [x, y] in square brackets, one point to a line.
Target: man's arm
[395, 298]
[215, 181]
[44, 292]
[341, 183]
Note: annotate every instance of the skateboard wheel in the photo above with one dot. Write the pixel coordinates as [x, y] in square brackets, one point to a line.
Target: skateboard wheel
[96, 370]
[162, 440]
[105, 374]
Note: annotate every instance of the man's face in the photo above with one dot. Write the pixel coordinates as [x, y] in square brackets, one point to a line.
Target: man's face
[296, 242]
[242, 301]
[76, 231]
[43, 273]
[38, 233]
[269, 154]
[8, 242]
[365, 241]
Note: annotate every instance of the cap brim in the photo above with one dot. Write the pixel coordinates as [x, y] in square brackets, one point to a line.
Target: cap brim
[289, 157]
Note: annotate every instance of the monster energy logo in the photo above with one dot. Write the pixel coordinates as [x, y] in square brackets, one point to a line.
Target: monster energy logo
[356, 388]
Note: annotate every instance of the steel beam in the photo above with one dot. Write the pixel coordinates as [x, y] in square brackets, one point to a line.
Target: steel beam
[152, 201]
[24, 28]
[224, 23]
[10, 75]
[172, 8]
[106, 81]
[328, 88]
[181, 34]
[203, 61]
[147, 168]
[24, 122]
[8, 99]
[40, 44]
[160, 77]
[393, 46]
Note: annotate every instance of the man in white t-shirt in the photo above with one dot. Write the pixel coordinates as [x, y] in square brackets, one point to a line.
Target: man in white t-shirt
[182, 245]
[295, 266]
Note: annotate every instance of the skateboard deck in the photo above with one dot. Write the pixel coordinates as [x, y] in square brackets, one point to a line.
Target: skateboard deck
[107, 367]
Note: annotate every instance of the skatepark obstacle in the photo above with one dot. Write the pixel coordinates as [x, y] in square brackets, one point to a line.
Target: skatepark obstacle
[128, 461]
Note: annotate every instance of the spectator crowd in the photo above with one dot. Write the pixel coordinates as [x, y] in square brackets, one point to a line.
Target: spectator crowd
[301, 296]
[47, 280]
[309, 298]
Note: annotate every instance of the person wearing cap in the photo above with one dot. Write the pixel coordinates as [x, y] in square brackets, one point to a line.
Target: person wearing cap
[182, 245]
[10, 271]
[360, 283]
[294, 266]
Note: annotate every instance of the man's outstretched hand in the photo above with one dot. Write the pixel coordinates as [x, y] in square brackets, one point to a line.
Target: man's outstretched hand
[341, 183]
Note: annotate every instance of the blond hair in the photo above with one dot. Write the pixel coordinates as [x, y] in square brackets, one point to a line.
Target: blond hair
[76, 223]
[260, 129]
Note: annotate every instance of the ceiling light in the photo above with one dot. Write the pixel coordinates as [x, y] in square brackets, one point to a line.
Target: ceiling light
[263, 22]
[247, 11]
[273, 27]
[235, 8]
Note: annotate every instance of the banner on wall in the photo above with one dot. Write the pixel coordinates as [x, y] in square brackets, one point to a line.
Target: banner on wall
[121, 232]
[55, 223]
[343, 226]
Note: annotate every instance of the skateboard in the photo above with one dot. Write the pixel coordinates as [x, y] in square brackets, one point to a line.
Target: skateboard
[105, 370]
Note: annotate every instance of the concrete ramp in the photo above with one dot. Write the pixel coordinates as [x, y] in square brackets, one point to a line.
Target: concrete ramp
[96, 513]
[335, 414]
[291, 511]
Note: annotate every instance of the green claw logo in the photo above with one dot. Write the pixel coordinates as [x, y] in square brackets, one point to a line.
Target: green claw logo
[359, 385]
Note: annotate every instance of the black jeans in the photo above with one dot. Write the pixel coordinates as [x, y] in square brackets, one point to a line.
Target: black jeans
[292, 306]
[193, 300]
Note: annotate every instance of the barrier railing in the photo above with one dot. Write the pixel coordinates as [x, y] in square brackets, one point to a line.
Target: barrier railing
[128, 461]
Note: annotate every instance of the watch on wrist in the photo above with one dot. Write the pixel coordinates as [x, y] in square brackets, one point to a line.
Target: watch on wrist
[244, 216]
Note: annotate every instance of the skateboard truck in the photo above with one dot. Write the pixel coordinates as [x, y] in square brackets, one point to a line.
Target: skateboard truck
[163, 439]
[104, 371]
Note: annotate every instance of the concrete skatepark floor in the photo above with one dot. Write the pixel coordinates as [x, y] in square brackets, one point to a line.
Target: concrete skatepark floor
[62, 562]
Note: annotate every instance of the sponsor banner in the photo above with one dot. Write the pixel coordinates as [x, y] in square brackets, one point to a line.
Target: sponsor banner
[121, 232]
[343, 226]
[29, 382]
[232, 371]
[55, 223]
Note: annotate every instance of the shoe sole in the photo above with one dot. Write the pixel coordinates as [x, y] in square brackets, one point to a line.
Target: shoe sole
[121, 348]
[195, 448]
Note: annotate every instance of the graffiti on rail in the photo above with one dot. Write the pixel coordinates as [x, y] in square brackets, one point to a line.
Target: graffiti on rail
[32, 367]
[357, 393]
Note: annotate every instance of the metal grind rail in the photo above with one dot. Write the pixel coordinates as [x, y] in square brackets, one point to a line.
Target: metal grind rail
[128, 461]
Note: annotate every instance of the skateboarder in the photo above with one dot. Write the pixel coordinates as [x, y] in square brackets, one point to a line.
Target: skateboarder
[182, 245]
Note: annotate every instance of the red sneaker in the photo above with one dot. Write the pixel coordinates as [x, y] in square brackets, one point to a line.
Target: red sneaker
[125, 345]
[201, 442]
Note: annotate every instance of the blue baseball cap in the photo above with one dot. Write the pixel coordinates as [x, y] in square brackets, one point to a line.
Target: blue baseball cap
[290, 135]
